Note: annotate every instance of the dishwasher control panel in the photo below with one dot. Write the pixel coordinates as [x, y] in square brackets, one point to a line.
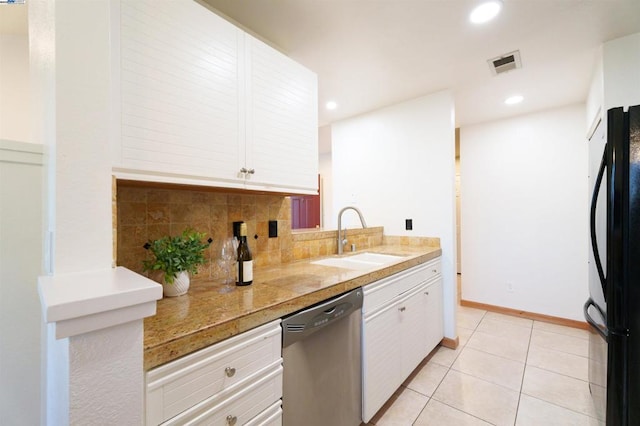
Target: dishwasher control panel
[297, 326]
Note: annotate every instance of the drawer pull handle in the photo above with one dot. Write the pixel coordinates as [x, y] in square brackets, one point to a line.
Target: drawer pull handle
[230, 371]
[402, 309]
[426, 292]
[434, 270]
[231, 420]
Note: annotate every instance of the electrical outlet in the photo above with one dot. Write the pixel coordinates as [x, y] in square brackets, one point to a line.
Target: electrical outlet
[273, 229]
[510, 288]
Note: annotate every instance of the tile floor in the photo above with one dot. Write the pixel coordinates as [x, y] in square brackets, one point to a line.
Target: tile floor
[506, 371]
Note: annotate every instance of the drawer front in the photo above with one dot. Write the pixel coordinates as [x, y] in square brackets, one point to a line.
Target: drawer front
[384, 290]
[272, 416]
[239, 407]
[183, 383]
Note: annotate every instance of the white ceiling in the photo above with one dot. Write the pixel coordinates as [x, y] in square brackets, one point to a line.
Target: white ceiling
[373, 53]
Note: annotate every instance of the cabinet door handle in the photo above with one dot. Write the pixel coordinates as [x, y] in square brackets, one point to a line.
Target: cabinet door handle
[231, 420]
[243, 170]
[251, 171]
[402, 309]
[426, 292]
[434, 271]
[230, 371]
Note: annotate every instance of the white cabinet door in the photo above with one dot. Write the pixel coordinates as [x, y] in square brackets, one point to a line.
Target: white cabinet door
[380, 364]
[282, 121]
[413, 328]
[180, 91]
[433, 314]
[399, 332]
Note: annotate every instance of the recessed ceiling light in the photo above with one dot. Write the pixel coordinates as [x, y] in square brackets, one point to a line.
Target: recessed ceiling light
[512, 100]
[331, 105]
[485, 11]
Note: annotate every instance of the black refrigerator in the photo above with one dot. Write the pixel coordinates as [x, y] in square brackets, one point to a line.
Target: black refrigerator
[613, 309]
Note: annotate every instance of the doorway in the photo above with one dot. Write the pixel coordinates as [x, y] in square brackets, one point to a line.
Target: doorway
[458, 228]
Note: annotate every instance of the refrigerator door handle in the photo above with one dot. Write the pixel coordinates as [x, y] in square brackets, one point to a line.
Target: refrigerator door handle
[594, 240]
[601, 331]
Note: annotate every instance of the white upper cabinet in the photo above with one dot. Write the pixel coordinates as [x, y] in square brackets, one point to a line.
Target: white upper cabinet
[202, 102]
[282, 124]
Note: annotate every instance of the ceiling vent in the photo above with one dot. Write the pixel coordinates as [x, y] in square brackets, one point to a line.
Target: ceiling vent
[507, 62]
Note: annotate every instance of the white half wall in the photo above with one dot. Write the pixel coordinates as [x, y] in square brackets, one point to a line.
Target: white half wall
[96, 377]
[15, 122]
[524, 195]
[398, 163]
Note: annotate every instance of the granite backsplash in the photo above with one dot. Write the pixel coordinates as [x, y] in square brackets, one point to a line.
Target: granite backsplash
[147, 213]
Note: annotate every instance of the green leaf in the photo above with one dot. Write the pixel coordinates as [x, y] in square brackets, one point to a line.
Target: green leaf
[171, 255]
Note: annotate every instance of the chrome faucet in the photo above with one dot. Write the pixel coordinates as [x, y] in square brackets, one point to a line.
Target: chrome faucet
[341, 241]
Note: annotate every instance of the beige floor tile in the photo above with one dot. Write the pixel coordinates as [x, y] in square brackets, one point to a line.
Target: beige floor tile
[559, 362]
[469, 317]
[445, 356]
[504, 329]
[558, 389]
[535, 412]
[560, 329]
[511, 319]
[501, 346]
[463, 335]
[405, 409]
[492, 368]
[477, 383]
[487, 401]
[439, 414]
[428, 378]
[559, 342]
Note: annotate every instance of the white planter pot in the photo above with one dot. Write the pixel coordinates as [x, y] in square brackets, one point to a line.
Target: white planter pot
[179, 286]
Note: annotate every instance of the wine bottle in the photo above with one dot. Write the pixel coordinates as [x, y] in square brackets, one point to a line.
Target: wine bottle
[245, 261]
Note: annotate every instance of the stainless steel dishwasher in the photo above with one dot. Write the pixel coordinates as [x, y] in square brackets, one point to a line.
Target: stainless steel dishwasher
[322, 363]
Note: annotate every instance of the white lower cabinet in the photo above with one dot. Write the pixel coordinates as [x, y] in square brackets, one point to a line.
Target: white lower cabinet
[272, 416]
[235, 382]
[402, 323]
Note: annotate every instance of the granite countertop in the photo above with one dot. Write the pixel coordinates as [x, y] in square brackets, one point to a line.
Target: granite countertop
[207, 314]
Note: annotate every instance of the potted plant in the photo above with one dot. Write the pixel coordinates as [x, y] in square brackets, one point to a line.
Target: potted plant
[176, 257]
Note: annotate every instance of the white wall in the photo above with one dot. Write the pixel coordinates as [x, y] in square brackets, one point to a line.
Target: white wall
[398, 163]
[595, 98]
[615, 79]
[621, 71]
[20, 261]
[15, 123]
[83, 229]
[525, 212]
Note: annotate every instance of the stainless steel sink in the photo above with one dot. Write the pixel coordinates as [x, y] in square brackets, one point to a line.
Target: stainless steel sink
[360, 261]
